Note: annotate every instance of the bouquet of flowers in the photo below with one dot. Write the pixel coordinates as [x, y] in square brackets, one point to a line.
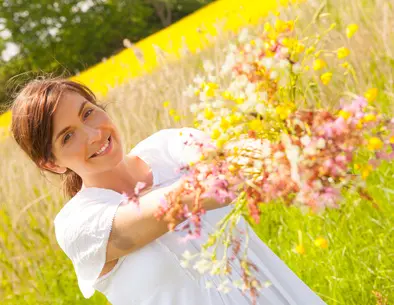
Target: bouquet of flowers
[264, 146]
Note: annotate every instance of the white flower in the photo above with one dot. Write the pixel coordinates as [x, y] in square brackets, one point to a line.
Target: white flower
[194, 108]
[274, 75]
[208, 66]
[321, 143]
[218, 104]
[184, 263]
[305, 140]
[208, 284]
[243, 35]
[260, 107]
[297, 68]
[284, 51]
[283, 64]
[198, 80]
[267, 62]
[187, 255]
[202, 266]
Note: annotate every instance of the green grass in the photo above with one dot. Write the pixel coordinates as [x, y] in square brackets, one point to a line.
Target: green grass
[358, 260]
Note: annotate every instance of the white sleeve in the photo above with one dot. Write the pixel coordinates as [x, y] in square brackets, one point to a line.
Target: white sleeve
[181, 152]
[82, 230]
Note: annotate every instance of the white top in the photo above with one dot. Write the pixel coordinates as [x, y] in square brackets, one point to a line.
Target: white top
[153, 275]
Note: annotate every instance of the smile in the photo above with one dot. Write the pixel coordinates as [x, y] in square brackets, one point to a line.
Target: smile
[105, 148]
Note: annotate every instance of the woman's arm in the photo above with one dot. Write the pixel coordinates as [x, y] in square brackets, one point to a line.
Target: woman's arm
[132, 229]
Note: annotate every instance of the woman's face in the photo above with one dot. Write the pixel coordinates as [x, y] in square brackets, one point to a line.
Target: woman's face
[84, 138]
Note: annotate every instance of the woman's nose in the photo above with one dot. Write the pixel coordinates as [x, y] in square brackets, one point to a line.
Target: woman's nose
[93, 134]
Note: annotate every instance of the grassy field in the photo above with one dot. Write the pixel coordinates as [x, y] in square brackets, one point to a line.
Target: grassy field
[357, 266]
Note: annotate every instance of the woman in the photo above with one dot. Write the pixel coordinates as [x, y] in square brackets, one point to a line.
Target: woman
[124, 253]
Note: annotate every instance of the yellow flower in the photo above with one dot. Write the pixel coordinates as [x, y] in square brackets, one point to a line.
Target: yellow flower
[234, 119]
[370, 117]
[326, 78]
[267, 27]
[300, 47]
[232, 168]
[321, 243]
[343, 52]
[310, 50]
[220, 143]
[215, 134]
[197, 92]
[319, 64]
[345, 65]
[208, 114]
[227, 95]
[351, 30]
[177, 118]
[300, 249]
[283, 111]
[375, 143]
[239, 100]
[371, 94]
[392, 140]
[366, 171]
[255, 125]
[166, 104]
[172, 112]
[344, 114]
[224, 124]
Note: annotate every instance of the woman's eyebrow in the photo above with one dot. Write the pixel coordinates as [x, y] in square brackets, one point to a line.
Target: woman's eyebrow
[79, 114]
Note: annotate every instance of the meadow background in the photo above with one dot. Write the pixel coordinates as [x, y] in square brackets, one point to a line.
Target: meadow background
[357, 265]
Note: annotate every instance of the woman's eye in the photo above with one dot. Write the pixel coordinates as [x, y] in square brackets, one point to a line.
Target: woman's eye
[87, 113]
[66, 138]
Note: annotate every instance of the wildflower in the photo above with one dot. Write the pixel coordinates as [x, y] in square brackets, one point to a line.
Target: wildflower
[371, 94]
[346, 65]
[227, 95]
[177, 118]
[366, 171]
[370, 117]
[321, 242]
[166, 104]
[310, 50]
[283, 111]
[391, 140]
[343, 52]
[300, 249]
[255, 125]
[215, 134]
[172, 112]
[344, 114]
[208, 114]
[375, 143]
[319, 64]
[326, 78]
[351, 30]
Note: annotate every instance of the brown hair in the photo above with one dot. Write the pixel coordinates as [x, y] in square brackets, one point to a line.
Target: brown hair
[32, 122]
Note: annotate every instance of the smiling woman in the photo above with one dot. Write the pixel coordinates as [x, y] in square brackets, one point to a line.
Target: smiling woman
[125, 253]
[35, 128]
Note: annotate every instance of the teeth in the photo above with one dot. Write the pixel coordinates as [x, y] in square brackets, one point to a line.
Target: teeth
[102, 149]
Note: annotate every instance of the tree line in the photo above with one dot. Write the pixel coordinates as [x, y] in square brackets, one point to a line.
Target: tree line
[71, 35]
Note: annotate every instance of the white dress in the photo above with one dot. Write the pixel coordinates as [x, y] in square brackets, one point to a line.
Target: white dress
[153, 275]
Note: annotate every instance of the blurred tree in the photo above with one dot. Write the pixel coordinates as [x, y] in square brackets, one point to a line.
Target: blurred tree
[72, 35]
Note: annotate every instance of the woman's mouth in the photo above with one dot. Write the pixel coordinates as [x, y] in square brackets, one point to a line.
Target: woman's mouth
[105, 149]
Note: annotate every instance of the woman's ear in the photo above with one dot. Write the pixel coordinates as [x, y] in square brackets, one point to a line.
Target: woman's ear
[52, 167]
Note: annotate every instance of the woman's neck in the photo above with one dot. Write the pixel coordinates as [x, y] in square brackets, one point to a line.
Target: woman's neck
[123, 178]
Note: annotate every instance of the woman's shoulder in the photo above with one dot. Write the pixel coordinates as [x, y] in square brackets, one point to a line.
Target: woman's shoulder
[87, 206]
